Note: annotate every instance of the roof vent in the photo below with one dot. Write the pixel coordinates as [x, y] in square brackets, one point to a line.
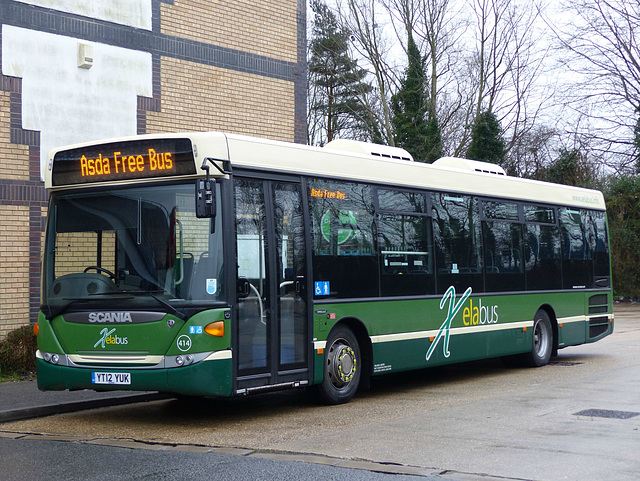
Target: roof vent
[472, 165]
[375, 150]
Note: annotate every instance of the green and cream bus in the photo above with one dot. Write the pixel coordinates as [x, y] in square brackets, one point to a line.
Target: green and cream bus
[210, 264]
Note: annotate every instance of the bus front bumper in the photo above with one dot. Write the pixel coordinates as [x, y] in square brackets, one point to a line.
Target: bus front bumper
[207, 378]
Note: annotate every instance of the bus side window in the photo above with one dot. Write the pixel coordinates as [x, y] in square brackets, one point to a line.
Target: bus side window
[577, 264]
[542, 248]
[599, 243]
[405, 244]
[542, 257]
[344, 260]
[502, 239]
[458, 242]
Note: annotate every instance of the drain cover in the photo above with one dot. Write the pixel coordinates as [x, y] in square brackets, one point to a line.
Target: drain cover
[606, 413]
[564, 363]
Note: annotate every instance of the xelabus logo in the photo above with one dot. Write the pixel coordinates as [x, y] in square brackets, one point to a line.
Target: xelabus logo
[445, 329]
[109, 337]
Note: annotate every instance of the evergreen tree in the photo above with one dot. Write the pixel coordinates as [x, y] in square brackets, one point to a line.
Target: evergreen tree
[623, 212]
[487, 143]
[340, 82]
[414, 129]
[570, 168]
[434, 138]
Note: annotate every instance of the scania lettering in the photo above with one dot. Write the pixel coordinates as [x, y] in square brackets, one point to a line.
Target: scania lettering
[211, 264]
[110, 317]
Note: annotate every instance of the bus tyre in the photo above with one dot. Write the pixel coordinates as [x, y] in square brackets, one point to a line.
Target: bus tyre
[542, 340]
[342, 367]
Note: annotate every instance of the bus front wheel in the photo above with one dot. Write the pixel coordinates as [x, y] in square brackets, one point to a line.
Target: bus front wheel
[542, 340]
[342, 367]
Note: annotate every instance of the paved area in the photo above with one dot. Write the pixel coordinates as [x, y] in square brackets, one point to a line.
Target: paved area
[23, 400]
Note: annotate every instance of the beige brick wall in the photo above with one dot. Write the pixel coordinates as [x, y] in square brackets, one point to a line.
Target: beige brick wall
[200, 97]
[14, 232]
[256, 26]
[14, 266]
[75, 251]
[15, 158]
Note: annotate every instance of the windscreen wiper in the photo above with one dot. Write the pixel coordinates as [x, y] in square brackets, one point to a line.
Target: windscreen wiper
[173, 310]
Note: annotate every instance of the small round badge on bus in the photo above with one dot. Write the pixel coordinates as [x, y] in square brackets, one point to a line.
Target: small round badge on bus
[184, 343]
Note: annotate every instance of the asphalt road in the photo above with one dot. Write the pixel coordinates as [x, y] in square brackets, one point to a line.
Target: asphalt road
[575, 419]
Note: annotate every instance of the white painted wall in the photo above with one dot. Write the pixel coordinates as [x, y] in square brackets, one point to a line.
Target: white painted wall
[67, 104]
[135, 13]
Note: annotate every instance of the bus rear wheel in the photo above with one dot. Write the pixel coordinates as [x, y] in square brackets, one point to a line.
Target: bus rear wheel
[342, 367]
[542, 340]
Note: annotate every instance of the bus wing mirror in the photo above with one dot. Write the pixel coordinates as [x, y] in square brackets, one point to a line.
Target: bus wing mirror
[205, 198]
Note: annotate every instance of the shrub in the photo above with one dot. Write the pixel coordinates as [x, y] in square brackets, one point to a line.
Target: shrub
[17, 352]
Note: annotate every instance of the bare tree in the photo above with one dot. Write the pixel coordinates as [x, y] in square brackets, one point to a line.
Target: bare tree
[507, 70]
[479, 55]
[363, 18]
[602, 54]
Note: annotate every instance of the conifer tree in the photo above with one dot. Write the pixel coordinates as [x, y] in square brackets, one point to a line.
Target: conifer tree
[415, 124]
[409, 105]
[487, 144]
[340, 83]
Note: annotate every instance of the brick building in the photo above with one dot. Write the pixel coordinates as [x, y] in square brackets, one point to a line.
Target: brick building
[78, 70]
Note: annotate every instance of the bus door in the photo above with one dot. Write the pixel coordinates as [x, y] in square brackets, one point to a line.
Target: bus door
[271, 298]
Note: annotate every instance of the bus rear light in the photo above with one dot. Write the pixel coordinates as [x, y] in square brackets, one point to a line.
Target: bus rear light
[36, 328]
[215, 329]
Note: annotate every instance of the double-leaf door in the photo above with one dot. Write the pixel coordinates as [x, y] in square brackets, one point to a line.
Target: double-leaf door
[271, 297]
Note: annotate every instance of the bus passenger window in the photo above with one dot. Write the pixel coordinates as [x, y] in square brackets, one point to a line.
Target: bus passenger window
[599, 243]
[406, 255]
[458, 242]
[577, 264]
[503, 256]
[542, 249]
[502, 239]
[405, 244]
[343, 244]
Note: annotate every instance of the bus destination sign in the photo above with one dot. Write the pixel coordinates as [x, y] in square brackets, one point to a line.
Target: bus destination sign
[135, 159]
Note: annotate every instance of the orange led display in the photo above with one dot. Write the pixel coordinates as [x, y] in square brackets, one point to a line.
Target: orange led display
[124, 160]
[328, 194]
[118, 163]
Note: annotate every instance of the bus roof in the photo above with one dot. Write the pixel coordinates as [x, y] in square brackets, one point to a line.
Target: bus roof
[358, 162]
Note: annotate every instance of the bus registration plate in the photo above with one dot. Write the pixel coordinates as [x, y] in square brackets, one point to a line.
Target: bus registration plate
[119, 378]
